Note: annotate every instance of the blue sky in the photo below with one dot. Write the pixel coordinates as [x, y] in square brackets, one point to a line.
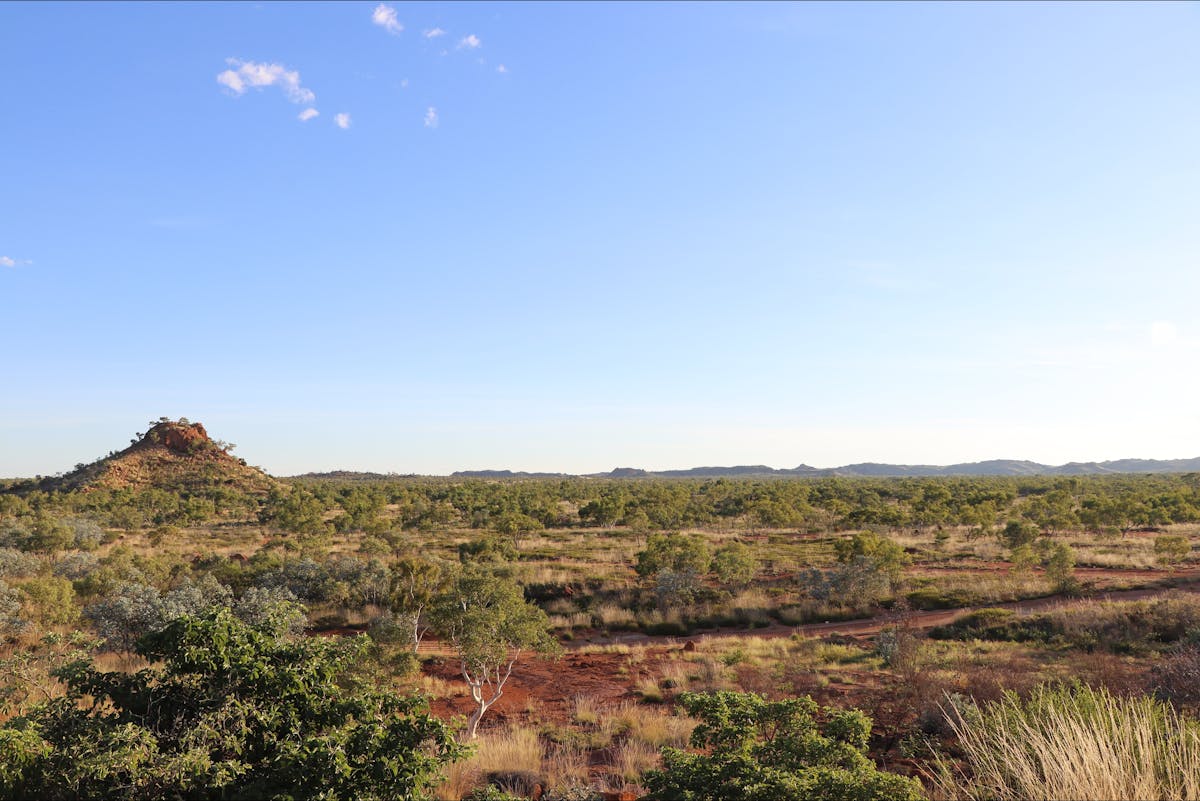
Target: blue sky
[577, 236]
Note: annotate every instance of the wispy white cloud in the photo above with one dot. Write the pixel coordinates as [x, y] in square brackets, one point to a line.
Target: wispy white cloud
[385, 17]
[308, 114]
[502, 69]
[342, 120]
[251, 74]
[470, 42]
[404, 83]
[433, 33]
[431, 117]
[9, 261]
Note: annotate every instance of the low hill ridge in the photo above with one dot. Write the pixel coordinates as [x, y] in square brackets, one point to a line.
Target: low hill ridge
[990, 467]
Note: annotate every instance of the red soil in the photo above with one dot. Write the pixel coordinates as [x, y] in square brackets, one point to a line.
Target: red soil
[543, 689]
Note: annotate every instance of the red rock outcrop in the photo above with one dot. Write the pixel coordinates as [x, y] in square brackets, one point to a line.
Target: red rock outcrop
[182, 438]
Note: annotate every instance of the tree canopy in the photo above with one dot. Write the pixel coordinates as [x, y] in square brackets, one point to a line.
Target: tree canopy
[227, 711]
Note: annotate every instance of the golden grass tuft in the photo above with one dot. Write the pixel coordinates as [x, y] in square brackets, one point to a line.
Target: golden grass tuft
[1081, 744]
[516, 748]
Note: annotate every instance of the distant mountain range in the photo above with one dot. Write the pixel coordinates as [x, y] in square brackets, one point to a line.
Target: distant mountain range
[993, 467]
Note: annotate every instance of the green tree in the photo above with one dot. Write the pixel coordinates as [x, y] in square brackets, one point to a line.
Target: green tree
[676, 562]
[881, 553]
[1017, 533]
[680, 553]
[1171, 549]
[870, 567]
[758, 750]
[734, 564]
[48, 601]
[513, 523]
[487, 620]
[416, 582]
[488, 548]
[1023, 559]
[50, 534]
[1060, 568]
[227, 712]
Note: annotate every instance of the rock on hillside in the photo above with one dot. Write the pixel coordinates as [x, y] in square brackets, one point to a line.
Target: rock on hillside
[171, 455]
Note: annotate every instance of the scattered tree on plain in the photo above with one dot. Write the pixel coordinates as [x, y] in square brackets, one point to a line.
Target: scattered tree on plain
[490, 624]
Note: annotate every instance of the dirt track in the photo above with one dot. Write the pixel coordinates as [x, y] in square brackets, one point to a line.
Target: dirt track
[1186, 582]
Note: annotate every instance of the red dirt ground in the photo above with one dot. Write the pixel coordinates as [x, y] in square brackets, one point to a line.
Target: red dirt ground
[543, 689]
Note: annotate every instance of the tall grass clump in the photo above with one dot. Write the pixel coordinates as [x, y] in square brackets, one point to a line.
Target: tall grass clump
[512, 749]
[1073, 742]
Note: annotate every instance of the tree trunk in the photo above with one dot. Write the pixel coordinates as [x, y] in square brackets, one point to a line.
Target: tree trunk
[481, 706]
[473, 722]
[476, 683]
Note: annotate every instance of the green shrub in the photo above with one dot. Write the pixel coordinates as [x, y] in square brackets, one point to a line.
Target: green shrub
[668, 628]
[1171, 549]
[758, 750]
[228, 711]
[937, 598]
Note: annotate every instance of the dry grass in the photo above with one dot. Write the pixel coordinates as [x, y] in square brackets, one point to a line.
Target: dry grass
[1087, 745]
[435, 687]
[633, 758]
[118, 662]
[565, 768]
[675, 676]
[514, 749]
[610, 648]
[575, 620]
[611, 614]
[752, 649]
[649, 690]
[1128, 556]
[584, 710]
[651, 726]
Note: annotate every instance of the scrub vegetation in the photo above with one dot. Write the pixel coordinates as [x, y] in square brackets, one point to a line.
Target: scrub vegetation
[171, 616]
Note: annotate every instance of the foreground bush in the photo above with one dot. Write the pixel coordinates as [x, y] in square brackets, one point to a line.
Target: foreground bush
[228, 711]
[759, 750]
[1076, 743]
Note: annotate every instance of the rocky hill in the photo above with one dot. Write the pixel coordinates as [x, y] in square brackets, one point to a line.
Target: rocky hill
[172, 455]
